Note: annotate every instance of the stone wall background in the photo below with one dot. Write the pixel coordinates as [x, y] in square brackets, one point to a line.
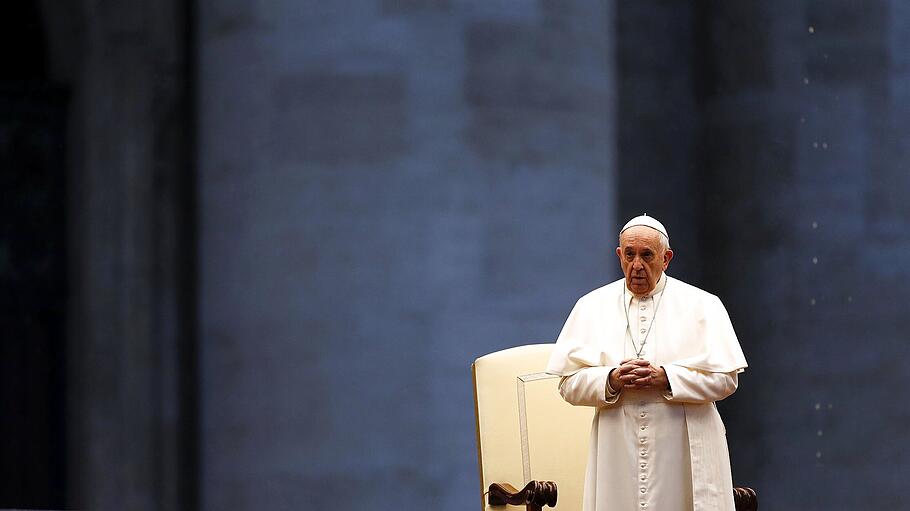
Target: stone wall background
[388, 191]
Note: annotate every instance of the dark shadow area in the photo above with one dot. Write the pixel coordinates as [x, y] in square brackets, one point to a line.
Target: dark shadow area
[33, 261]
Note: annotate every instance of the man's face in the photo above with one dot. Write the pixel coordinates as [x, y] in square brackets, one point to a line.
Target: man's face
[642, 258]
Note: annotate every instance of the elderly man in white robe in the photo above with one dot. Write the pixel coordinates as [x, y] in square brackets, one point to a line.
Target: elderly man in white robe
[652, 354]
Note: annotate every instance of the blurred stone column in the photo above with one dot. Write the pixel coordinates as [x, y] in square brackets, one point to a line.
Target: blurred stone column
[805, 146]
[131, 357]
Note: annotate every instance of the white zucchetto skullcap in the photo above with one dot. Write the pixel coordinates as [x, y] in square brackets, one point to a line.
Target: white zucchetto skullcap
[646, 221]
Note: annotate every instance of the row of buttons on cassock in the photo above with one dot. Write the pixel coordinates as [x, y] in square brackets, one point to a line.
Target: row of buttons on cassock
[643, 440]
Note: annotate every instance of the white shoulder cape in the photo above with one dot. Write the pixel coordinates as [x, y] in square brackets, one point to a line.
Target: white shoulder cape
[694, 331]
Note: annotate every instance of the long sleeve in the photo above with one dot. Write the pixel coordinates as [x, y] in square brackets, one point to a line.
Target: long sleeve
[694, 386]
[588, 387]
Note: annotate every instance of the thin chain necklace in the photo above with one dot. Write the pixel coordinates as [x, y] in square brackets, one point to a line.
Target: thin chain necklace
[638, 350]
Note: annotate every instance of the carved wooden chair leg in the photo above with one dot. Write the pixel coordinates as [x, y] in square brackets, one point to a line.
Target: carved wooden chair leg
[533, 496]
[745, 499]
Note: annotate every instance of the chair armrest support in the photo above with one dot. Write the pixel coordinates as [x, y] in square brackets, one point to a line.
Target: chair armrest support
[745, 499]
[533, 496]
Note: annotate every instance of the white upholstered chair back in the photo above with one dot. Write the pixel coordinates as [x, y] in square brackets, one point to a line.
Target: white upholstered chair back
[525, 431]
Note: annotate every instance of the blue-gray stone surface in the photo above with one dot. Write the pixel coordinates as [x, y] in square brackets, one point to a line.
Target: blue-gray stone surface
[388, 190]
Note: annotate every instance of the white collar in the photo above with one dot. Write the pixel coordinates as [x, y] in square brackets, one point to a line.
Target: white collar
[658, 289]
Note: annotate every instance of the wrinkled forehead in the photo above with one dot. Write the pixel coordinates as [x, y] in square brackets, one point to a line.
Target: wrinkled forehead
[640, 235]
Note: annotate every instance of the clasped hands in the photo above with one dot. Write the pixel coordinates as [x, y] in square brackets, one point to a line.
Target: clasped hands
[638, 374]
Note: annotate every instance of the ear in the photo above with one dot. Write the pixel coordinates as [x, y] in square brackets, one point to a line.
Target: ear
[619, 254]
[667, 256]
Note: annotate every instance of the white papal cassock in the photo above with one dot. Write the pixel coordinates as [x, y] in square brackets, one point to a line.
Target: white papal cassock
[653, 450]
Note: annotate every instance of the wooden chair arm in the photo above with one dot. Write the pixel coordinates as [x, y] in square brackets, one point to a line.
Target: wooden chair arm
[533, 496]
[745, 499]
